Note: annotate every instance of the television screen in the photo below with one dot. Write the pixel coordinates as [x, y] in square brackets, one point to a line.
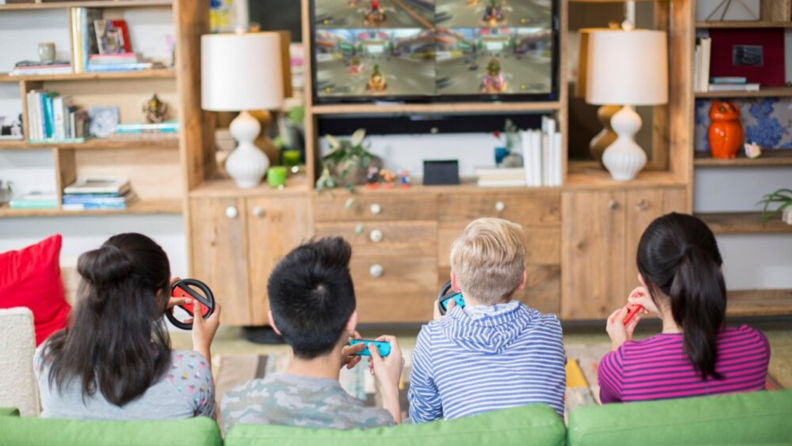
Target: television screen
[433, 49]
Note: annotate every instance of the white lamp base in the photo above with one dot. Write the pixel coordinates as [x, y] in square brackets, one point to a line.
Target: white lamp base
[247, 164]
[624, 158]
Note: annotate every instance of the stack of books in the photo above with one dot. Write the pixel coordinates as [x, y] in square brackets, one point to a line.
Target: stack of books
[83, 36]
[542, 151]
[99, 63]
[137, 131]
[500, 177]
[732, 84]
[37, 68]
[98, 193]
[35, 200]
[52, 117]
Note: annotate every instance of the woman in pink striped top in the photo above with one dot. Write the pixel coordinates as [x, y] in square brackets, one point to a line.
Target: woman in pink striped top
[679, 266]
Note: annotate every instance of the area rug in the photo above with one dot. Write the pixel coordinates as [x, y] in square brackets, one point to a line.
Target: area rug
[582, 388]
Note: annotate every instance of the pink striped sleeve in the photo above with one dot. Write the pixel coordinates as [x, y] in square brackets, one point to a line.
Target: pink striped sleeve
[610, 376]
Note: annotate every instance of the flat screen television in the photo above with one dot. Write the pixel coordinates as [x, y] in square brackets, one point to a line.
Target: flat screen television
[434, 50]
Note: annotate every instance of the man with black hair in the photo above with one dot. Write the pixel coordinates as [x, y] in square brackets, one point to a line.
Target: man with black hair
[312, 305]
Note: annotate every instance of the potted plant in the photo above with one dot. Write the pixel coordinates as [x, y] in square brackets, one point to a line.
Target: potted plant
[784, 199]
[348, 160]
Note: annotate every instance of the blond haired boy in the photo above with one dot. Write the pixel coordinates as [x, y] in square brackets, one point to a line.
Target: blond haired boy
[495, 353]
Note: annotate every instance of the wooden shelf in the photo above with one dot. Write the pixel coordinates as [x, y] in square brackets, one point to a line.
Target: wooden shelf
[162, 73]
[770, 92]
[743, 223]
[220, 188]
[96, 144]
[476, 107]
[759, 303]
[743, 24]
[173, 206]
[768, 158]
[87, 4]
[599, 179]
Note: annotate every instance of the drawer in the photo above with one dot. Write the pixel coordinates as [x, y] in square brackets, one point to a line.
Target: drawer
[404, 292]
[375, 207]
[407, 238]
[542, 243]
[525, 208]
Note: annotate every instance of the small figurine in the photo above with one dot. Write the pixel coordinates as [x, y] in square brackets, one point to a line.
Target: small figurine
[372, 177]
[726, 133]
[752, 150]
[155, 110]
[404, 179]
[388, 177]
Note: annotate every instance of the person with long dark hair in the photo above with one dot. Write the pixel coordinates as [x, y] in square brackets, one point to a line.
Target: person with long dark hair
[114, 359]
[679, 266]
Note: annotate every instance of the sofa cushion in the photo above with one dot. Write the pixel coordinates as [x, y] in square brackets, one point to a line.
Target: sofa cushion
[534, 425]
[199, 431]
[756, 418]
[31, 278]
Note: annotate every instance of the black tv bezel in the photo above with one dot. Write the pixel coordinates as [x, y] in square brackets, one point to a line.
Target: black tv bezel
[553, 95]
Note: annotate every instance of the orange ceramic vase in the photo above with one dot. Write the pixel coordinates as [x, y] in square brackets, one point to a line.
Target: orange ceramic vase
[726, 132]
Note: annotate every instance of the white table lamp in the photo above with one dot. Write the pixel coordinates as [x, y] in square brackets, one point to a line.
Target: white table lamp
[242, 72]
[627, 67]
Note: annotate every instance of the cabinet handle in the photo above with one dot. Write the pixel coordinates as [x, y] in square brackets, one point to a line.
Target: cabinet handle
[375, 209]
[376, 270]
[641, 206]
[376, 236]
[258, 212]
[232, 212]
[500, 206]
[613, 205]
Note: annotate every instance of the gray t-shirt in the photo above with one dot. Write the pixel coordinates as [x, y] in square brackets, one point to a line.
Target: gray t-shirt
[292, 400]
[186, 391]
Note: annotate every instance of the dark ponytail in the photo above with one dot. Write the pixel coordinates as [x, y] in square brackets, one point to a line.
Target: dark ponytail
[678, 256]
[116, 341]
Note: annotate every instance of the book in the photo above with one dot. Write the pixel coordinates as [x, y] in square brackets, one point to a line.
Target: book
[706, 50]
[65, 69]
[109, 59]
[37, 64]
[93, 207]
[39, 195]
[98, 185]
[60, 106]
[78, 124]
[728, 80]
[83, 35]
[95, 199]
[733, 87]
[501, 183]
[57, 141]
[105, 68]
[170, 126]
[33, 204]
[496, 173]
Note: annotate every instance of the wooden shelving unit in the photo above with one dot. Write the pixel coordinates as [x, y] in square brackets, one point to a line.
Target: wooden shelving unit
[769, 158]
[86, 4]
[770, 92]
[164, 73]
[137, 207]
[96, 144]
[743, 223]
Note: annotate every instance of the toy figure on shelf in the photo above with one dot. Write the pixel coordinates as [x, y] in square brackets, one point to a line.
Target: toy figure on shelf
[493, 13]
[493, 82]
[155, 110]
[388, 178]
[372, 177]
[377, 80]
[404, 179]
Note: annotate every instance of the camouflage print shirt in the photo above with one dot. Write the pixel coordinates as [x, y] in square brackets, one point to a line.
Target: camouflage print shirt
[292, 400]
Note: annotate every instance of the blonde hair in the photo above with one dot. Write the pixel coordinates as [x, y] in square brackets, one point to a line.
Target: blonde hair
[489, 259]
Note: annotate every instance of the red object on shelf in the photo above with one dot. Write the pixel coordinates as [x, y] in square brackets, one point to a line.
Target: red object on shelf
[726, 61]
[726, 133]
[122, 26]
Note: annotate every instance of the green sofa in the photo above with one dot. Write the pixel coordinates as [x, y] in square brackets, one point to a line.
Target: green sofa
[759, 418]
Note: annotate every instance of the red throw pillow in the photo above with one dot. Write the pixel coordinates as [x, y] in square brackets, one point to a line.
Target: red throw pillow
[31, 278]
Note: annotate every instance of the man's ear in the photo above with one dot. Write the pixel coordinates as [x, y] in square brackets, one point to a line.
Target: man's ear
[523, 282]
[455, 283]
[272, 323]
[351, 323]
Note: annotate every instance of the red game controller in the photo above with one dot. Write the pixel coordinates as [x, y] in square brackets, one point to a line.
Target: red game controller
[633, 311]
[191, 289]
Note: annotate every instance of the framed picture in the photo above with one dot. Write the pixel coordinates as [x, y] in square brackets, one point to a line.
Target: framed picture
[756, 54]
[109, 37]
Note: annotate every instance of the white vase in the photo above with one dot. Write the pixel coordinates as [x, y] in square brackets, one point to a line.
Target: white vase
[247, 164]
[624, 158]
[786, 215]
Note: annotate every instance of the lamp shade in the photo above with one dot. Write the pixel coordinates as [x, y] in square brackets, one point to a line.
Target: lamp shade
[241, 72]
[627, 67]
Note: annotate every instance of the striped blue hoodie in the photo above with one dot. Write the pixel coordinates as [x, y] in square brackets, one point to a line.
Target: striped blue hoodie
[471, 362]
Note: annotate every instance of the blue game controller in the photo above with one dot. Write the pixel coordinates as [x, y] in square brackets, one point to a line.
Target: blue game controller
[384, 348]
[446, 295]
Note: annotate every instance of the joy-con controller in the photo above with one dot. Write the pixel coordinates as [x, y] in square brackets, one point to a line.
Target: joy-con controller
[181, 293]
[445, 297]
[195, 290]
[632, 312]
[384, 348]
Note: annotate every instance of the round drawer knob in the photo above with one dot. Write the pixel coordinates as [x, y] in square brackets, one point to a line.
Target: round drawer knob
[612, 205]
[258, 212]
[376, 236]
[376, 270]
[642, 205]
[232, 212]
[375, 209]
[500, 206]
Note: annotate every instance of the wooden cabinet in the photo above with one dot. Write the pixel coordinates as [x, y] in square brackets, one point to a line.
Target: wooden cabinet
[235, 244]
[600, 236]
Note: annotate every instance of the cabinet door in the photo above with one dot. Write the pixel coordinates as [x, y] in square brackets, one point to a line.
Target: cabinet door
[592, 257]
[275, 227]
[219, 251]
[642, 208]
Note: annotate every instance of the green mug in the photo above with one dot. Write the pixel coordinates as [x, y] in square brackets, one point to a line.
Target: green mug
[276, 176]
[291, 158]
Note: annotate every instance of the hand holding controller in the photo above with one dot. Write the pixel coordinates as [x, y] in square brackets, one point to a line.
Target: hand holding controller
[633, 309]
[446, 296]
[383, 348]
[194, 291]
